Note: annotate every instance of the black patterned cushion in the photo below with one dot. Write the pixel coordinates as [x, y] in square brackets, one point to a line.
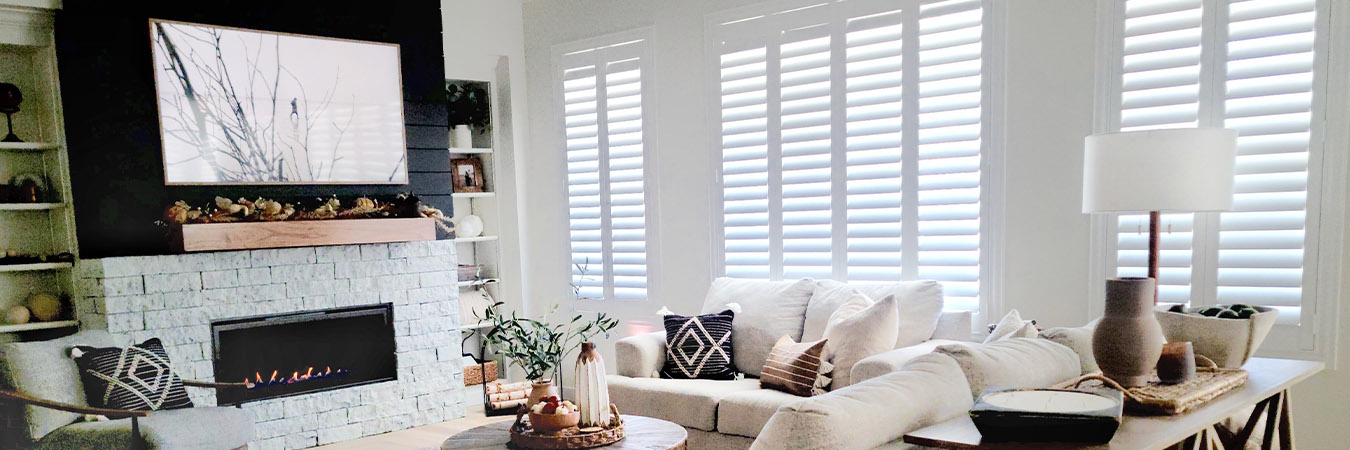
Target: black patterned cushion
[699, 347]
[139, 378]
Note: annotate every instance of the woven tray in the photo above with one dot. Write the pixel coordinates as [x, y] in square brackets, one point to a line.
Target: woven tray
[523, 436]
[1157, 398]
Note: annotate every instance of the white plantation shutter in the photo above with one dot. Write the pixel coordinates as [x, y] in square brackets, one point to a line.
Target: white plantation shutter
[601, 86]
[1160, 88]
[1246, 65]
[829, 170]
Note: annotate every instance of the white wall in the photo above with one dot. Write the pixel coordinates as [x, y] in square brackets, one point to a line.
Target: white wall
[484, 40]
[1050, 62]
[1049, 103]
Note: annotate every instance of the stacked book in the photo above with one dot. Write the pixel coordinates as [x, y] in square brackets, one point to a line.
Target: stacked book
[502, 395]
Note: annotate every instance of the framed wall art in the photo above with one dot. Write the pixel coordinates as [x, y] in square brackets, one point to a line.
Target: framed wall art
[240, 106]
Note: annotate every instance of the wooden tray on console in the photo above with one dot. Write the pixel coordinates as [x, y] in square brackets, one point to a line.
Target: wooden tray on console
[523, 436]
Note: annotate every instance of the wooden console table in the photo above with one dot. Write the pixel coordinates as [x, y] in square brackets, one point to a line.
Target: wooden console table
[1267, 388]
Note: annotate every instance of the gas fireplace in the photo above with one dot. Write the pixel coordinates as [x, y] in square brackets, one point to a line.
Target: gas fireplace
[289, 354]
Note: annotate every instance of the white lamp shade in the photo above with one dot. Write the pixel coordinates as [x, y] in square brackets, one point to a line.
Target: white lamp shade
[1173, 170]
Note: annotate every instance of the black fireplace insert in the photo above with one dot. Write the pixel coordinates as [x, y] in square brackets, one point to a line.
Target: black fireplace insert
[289, 354]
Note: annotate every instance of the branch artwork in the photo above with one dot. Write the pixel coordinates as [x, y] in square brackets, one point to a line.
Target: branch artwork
[250, 107]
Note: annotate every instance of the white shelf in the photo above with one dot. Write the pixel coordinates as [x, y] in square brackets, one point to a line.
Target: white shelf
[476, 326]
[470, 151]
[34, 267]
[475, 239]
[481, 282]
[30, 206]
[472, 194]
[38, 326]
[27, 146]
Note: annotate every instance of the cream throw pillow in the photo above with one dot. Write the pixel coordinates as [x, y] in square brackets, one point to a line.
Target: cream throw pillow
[858, 329]
[769, 310]
[1012, 326]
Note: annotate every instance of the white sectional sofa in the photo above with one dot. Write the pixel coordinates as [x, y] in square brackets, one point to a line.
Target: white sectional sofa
[732, 414]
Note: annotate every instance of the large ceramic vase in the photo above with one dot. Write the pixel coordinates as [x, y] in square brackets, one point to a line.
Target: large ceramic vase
[540, 389]
[592, 391]
[1128, 340]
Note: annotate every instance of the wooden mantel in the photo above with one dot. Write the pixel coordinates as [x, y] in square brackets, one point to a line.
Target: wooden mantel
[202, 237]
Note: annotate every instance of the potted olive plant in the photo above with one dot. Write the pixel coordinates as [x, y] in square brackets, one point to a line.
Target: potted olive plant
[537, 346]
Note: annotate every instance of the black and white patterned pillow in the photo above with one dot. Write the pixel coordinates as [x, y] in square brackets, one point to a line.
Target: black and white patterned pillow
[139, 378]
[699, 347]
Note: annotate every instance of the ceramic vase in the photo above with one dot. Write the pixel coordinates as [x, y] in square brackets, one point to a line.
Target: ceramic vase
[592, 392]
[1128, 340]
[461, 137]
[540, 389]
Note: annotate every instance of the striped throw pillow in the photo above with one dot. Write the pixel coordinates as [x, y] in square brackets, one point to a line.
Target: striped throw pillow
[796, 368]
[139, 378]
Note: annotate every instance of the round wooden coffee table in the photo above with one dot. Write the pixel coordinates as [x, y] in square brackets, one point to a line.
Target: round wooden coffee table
[640, 433]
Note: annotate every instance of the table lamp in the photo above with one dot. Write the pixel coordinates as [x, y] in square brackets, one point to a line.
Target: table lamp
[1157, 171]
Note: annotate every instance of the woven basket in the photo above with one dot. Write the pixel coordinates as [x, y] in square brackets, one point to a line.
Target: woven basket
[1156, 398]
[480, 373]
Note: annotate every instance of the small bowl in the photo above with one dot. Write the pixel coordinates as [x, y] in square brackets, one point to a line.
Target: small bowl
[1229, 342]
[553, 423]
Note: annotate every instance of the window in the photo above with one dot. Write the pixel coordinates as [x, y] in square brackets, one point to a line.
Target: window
[601, 86]
[852, 137]
[1248, 65]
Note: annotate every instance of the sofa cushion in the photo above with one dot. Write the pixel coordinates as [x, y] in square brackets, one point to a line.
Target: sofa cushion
[1079, 340]
[139, 378]
[858, 329]
[690, 403]
[189, 428]
[796, 368]
[919, 304]
[43, 369]
[1011, 326]
[928, 390]
[769, 310]
[1014, 363]
[745, 413]
[699, 346]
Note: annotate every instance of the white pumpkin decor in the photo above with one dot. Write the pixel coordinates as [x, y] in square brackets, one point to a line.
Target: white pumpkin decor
[592, 391]
[17, 315]
[468, 226]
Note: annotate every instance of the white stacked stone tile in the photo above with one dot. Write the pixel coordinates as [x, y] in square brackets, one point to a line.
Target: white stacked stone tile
[176, 297]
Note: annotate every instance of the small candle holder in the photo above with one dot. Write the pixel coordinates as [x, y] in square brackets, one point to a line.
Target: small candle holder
[1177, 363]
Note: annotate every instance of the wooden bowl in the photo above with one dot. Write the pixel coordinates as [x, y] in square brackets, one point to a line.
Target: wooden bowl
[552, 423]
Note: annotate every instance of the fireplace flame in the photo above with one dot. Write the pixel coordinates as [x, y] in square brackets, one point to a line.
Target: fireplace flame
[296, 377]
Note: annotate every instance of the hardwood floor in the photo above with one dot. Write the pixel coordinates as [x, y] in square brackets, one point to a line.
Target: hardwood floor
[423, 437]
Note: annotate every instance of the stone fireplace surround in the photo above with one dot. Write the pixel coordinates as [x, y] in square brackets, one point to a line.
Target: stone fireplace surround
[175, 298]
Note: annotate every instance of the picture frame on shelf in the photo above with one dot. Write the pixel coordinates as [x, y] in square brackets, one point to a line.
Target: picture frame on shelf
[467, 174]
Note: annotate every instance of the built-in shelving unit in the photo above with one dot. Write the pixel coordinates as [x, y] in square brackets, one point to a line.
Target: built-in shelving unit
[46, 227]
[30, 206]
[34, 267]
[466, 240]
[27, 146]
[38, 326]
[472, 194]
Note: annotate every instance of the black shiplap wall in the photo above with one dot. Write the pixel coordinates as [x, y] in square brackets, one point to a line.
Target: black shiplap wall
[111, 116]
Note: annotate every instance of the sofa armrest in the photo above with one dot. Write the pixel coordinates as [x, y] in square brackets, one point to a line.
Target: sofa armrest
[929, 390]
[953, 325]
[892, 361]
[641, 356]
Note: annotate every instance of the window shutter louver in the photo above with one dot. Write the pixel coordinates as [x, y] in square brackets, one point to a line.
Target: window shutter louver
[602, 113]
[829, 170]
[1269, 101]
[1246, 65]
[1160, 88]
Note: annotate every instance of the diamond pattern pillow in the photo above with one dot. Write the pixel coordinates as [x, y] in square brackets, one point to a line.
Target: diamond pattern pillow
[139, 378]
[699, 347]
